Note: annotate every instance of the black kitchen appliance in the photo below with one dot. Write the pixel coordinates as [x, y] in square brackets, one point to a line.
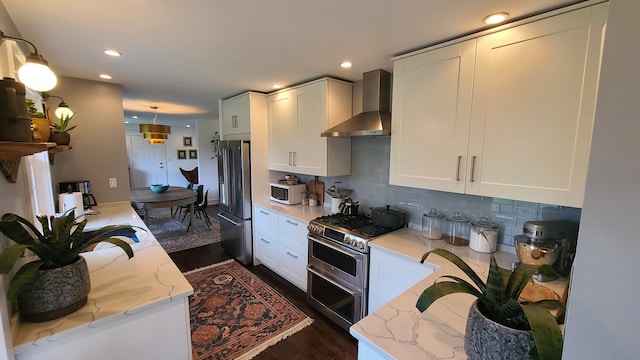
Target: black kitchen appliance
[83, 186]
[338, 267]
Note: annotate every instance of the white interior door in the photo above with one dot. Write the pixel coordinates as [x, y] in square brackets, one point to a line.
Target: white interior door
[147, 162]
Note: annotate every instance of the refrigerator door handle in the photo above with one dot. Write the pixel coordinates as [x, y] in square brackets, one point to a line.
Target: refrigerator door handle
[225, 168]
[229, 220]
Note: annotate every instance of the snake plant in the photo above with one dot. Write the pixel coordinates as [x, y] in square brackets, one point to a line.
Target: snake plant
[59, 244]
[498, 299]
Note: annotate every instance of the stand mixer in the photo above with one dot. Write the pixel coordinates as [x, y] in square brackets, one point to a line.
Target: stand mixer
[551, 242]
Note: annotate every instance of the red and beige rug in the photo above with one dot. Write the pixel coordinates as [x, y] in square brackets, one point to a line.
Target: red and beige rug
[235, 315]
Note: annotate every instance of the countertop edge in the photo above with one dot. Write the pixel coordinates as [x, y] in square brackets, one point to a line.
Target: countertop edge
[160, 283]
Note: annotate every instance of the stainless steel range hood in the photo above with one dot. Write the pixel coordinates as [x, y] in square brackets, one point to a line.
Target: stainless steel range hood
[375, 118]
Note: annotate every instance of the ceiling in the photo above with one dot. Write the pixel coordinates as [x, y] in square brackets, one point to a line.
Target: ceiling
[182, 56]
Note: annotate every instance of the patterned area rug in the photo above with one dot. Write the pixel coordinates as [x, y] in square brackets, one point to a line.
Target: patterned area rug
[235, 315]
[171, 232]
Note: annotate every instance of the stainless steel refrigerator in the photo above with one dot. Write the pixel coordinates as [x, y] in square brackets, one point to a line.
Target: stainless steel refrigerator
[234, 181]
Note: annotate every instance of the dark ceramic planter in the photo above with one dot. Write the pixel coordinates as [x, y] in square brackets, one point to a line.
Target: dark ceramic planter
[60, 138]
[56, 293]
[487, 340]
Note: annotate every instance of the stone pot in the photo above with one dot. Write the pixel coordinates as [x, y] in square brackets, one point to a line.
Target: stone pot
[56, 293]
[60, 138]
[486, 339]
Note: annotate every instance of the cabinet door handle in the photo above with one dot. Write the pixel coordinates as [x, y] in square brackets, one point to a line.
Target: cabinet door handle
[292, 223]
[234, 121]
[473, 167]
[292, 255]
[290, 154]
[294, 158]
[264, 212]
[263, 240]
[458, 168]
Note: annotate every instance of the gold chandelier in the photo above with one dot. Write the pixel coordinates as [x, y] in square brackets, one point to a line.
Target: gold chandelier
[154, 133]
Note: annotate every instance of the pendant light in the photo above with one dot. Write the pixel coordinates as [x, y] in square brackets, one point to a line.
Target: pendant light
[153, 133]
[62, 110]
[35, 72]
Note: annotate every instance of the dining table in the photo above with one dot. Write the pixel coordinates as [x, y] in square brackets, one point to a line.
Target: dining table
[145, 199]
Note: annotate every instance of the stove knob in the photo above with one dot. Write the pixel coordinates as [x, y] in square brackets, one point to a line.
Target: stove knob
[361, 245]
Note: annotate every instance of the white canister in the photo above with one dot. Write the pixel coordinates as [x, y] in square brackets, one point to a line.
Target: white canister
[335, 204]
[483, 236]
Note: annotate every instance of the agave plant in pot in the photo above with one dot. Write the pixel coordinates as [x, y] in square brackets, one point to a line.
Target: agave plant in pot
[60, 134]
[57, 283]
[500, 326]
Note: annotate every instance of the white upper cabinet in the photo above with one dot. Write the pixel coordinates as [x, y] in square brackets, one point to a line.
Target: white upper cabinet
[430, 118]
[527, 111]
[235, 115]
[297, 116]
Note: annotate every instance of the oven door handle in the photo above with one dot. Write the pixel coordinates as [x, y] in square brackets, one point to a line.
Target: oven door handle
[351, 292]
[332, 246]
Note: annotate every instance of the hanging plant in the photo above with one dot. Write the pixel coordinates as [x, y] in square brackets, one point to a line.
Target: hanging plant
[215, 141]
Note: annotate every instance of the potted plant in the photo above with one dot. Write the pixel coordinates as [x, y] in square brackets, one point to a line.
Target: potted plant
[58, 282]
[499, 323]
[60, 134]
[41, 125]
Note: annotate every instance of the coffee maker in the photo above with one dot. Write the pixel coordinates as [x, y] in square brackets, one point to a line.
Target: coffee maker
[83, 186]
[551, 242]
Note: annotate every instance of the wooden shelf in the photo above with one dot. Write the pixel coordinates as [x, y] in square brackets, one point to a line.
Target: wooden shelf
[56, 149]
[15, 149]
[59, 148]
[12, 151]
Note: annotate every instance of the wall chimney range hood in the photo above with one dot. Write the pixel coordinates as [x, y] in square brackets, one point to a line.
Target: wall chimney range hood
[375, 118]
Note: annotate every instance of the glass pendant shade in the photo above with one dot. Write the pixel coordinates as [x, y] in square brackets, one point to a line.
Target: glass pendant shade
[63, 111]
[36, 74]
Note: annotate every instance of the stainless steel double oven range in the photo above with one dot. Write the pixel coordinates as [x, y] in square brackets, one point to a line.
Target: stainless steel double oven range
[338, 268]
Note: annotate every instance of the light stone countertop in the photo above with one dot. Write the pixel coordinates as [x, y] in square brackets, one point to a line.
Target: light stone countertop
[120, 287]
[398, 330]
[303, 213]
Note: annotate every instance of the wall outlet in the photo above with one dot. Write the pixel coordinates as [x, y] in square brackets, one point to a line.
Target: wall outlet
[113, 183]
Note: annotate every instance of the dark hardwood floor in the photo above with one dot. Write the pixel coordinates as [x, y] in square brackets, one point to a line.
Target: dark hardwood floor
[321, 340]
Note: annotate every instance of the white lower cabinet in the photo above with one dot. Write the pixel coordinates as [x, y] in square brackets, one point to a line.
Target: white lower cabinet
[391, 274]
[265, 236]
[281, 244]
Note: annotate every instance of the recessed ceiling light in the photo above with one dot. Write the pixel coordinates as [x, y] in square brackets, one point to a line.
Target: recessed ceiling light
[135, 116]
[276, 86]
[112, 52]
[126, 122]
[346, 64]
[495, 18]
[188, 125]
[105, 76]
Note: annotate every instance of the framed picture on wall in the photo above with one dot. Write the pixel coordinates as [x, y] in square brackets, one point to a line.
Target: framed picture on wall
[182, 154]
[193, 154]
[186, 141]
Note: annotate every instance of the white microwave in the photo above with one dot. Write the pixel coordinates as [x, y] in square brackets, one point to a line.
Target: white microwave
[287, 194]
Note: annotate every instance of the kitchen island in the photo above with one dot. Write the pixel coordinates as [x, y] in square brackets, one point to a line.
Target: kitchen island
[397, 330]
[138, 308]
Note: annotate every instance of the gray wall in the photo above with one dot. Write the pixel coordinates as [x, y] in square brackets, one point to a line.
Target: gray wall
[603, 318]
[99, 148]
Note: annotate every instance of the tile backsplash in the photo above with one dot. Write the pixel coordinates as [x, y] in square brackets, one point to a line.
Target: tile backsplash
[369, 180]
